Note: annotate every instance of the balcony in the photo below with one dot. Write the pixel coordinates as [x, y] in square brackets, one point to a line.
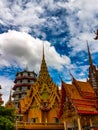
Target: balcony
[25, 77]
[39, 126]
[21, 85]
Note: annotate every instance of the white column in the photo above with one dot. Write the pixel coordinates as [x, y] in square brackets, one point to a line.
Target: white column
[65, 125]
[79, 124]
[91, 123]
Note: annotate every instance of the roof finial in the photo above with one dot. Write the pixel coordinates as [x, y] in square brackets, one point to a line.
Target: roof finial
[72, 76]
[70, 73]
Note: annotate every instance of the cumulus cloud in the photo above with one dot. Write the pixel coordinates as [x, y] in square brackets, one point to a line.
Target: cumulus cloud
[82, 21]
[25, 14]
[16, 12]
[19, 48]
[37, 15]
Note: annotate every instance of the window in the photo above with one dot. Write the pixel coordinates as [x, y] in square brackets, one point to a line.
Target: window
[56, 120]
[25, 74]
[34, 120]
[19, 95]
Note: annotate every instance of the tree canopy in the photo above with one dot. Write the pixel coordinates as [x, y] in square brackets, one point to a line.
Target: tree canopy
[7, 118]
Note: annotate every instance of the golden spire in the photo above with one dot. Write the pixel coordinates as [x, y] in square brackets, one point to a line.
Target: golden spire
[44, 74]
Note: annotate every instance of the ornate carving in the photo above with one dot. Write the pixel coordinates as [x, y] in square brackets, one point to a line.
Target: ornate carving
[69, 110]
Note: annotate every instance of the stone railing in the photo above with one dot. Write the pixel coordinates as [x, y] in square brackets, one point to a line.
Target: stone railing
[30, 126]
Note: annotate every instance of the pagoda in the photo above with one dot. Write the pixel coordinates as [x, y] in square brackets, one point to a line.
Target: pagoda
[1, 101]
[40, 106]
[23, 82]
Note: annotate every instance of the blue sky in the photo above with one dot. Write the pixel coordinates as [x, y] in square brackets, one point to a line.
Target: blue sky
[63, 25]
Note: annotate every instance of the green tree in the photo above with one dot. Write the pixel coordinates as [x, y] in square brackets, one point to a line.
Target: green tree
[7, 118]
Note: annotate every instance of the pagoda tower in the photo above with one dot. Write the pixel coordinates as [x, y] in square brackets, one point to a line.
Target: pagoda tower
[42, 101]
[93, 71]
[93, 75]
[23, 82]
[1, 101]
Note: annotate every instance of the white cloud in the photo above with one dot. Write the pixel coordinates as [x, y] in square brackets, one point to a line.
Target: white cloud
[13, 13]
[82, 20]
[19, 48]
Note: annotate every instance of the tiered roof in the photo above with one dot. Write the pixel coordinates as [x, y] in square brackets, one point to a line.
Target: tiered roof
[82, 96]
[44, 91]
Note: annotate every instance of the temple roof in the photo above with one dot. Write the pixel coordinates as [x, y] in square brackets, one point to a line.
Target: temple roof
[44, 91]
[82, 96]
[72, 91]
[85, 86]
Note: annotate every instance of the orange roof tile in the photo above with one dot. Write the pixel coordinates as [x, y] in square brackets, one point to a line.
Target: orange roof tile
[82, 103]
[85, 86]
[72, 91]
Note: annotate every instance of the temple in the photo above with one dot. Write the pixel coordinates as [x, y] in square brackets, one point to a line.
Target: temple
[78, 105]
[23, 82]
[79, 101]
[40, 107]
[1, 101]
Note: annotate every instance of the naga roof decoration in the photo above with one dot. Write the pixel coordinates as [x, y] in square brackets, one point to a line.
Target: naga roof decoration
[44, 91]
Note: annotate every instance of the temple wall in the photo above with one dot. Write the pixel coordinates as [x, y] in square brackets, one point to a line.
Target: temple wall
[34, 113]
[25, 117]
[52, 115]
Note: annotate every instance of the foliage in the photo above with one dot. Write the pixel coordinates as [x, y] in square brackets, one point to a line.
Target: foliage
[7, 118]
